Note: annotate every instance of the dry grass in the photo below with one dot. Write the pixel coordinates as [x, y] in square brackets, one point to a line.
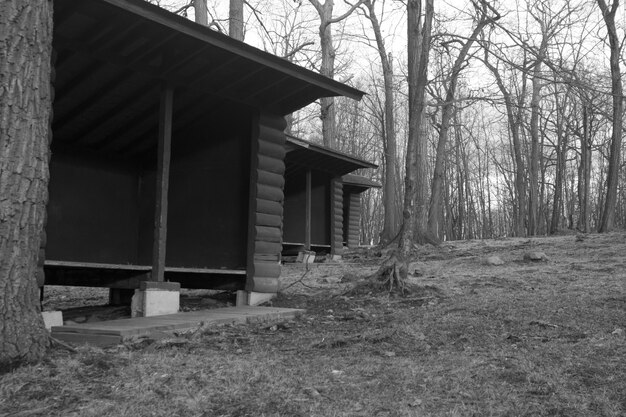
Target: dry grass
[521, 339]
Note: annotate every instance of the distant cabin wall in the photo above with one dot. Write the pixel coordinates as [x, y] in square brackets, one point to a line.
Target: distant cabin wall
[336, 216]
[351, 219]
[266, 197]
[295, 208]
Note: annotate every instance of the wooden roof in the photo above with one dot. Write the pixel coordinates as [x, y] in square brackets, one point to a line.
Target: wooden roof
[112, 56]
[359, 183]
[303, 155]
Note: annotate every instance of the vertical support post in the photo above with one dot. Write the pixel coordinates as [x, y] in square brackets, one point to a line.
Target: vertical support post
[307, 211]
[162, 185]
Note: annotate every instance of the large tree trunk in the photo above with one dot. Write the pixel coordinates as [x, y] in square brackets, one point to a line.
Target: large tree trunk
[608, 213]
[25, 111]
[415, 192]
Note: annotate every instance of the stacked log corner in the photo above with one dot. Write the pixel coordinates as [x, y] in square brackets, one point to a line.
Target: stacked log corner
[336, 217]
[267, 182]
[354, 220]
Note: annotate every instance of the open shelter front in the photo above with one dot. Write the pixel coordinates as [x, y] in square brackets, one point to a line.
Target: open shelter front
[314, 196]
[168, 150]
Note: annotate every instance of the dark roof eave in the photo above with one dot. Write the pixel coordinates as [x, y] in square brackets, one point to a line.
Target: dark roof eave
[207, 35]
[359, 181]
[301, 143]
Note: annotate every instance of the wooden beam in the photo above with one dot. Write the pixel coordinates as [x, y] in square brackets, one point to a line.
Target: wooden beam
[307, 212]
[162, 185]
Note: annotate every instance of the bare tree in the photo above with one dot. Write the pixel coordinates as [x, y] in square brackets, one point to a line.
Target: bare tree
[560, 107]
[325, 12]
[235, 20]
[201, 15]
[390, 186]
[608, 213]
[394, 271]
[514, 118]
[487, 14]
[415, 187]
[25, 110]
[533, 190]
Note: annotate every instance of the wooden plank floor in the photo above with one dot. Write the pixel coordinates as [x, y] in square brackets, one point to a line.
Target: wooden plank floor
[105, 333]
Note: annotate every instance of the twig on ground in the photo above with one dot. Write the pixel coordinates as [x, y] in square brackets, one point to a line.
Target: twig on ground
[299, 280]
[26, 413]
[57, 342]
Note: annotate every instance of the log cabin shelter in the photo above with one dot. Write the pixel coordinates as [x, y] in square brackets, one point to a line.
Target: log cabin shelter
[167, 152]
[321, 208]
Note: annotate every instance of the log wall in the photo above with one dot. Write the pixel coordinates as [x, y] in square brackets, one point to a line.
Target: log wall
[336, 217]
[267, 184]
[353, 220]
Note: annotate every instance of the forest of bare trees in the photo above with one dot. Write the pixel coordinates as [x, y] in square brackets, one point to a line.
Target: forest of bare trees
[518, 132]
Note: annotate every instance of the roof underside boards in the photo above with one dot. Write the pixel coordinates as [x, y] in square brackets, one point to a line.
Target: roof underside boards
[112, 56]
[303, 155]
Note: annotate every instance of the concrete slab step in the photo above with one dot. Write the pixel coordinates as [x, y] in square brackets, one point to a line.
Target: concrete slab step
[106, 333]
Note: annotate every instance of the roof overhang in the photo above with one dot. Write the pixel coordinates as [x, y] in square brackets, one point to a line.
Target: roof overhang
[113, 56]
[303, 155]
[358, 183]
[170, 47]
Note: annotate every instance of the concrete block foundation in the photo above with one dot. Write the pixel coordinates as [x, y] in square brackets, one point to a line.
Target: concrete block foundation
[156, 299]
[306, 257]
[52, 318]
[250, 298]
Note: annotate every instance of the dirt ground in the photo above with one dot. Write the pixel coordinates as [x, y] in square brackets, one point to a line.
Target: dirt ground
[508, 327]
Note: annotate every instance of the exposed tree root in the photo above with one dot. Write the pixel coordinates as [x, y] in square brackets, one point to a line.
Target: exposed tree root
[392, 274]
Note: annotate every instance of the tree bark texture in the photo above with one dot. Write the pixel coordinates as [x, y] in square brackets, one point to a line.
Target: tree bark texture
[25, 114]
[415, 209]
[608, 213]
